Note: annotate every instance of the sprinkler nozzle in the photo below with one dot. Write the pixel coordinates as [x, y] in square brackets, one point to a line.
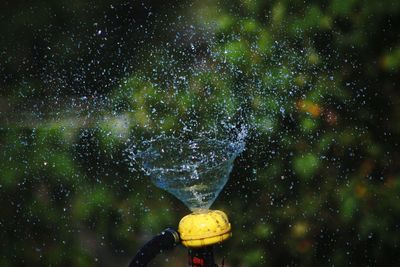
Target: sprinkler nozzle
[200, 229]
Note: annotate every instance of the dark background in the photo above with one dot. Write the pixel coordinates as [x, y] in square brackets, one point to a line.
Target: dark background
[318, 183]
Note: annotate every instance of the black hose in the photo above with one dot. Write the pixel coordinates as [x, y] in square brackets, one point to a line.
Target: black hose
[166, 240]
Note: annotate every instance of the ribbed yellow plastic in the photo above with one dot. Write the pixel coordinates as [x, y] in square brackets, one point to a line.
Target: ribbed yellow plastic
[201, 229]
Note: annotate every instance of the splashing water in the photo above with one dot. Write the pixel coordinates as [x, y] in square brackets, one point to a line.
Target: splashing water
[194, 171]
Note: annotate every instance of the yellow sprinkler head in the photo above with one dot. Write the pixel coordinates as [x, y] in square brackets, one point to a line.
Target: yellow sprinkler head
[201, 229]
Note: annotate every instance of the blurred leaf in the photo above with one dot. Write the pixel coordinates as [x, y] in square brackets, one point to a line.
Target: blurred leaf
[306, 165]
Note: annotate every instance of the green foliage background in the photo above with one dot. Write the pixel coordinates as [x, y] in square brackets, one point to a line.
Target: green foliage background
[318, 183]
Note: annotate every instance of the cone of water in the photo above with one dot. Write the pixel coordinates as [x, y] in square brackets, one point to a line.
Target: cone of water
[194, 171]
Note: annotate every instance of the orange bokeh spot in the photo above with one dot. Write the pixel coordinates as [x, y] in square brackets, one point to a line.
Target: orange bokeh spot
[304, 246]
[361, 191]
[309, 107]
